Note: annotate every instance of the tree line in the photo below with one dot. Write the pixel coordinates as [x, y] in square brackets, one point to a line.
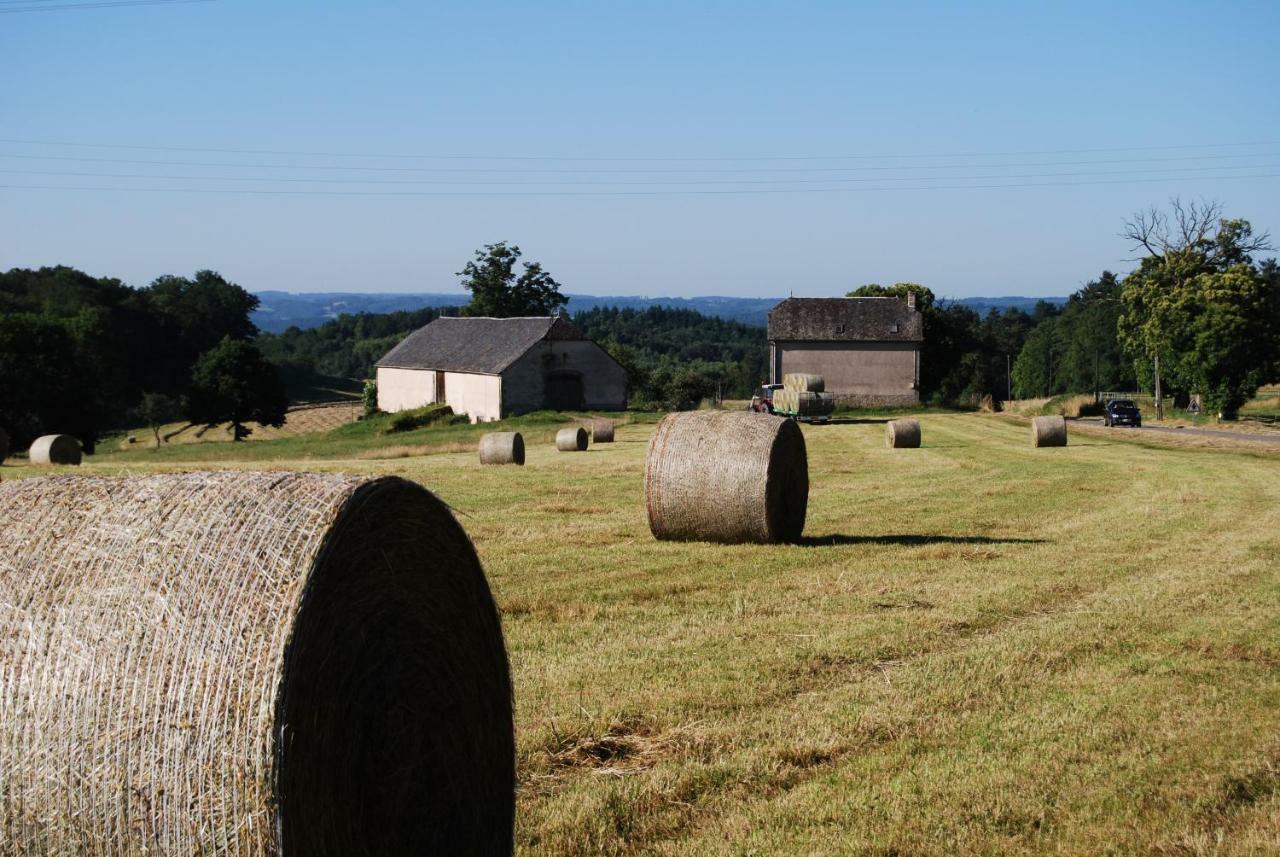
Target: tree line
[82, 354]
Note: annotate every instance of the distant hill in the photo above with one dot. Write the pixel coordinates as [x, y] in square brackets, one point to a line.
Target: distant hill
[281, 310]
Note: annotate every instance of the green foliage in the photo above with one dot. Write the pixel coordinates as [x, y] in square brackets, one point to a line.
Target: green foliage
[924, 295]
[369, 397]
[422, 417]
[1201, 304]
[155, 410]
[345, 347]
[44, 387]
[234, 383]
[496, 291]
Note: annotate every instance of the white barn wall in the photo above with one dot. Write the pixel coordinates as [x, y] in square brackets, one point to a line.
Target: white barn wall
[477, 396]
[404, 389]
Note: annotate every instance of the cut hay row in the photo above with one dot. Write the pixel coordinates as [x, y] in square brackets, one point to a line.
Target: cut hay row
[802, 382]
[571, 439]
[54, 449]
[1049, 431]
[902, 434]
[726, 476]
[502, 447]
[247, 663]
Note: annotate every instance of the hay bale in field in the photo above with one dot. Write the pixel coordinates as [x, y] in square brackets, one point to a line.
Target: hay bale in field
[602, 431]
[54, 449]
[1049, 431]
[902, 434]
[258, 664]
[803, 382]
[4, 445]
[571, 439]
[502, 447]
[726, 476]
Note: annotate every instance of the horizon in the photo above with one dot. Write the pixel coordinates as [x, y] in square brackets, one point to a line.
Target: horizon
[663, 151]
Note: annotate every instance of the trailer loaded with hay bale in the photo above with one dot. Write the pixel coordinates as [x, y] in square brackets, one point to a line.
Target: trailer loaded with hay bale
[572, 439]
[502, 447]
[54, 449]
[803, 398]
[1049, 431]
[258, 664]
[726, 476]
[902, 434]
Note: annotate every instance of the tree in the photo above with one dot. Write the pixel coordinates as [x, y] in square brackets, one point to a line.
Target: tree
[234, 383]
[496, 290]
[154, 410]
[1200, 304]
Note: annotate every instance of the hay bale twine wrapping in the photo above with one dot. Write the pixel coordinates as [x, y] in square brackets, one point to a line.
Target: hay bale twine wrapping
[803, 382]
[602, 431]
[1049, 431]
[902, 434]
[571, 439]
[502, 447]
[4, 445]
[248, 663]
[54, 449]
[726, 476]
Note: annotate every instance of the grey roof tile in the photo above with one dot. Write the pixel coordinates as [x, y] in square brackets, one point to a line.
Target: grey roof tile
[485, 346]
[845, 320]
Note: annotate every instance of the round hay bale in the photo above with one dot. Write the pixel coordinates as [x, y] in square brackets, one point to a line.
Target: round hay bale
[726, 476]
[257, 664]
[502, 447]
[4, 445]
[54, 449]
[571, 439]
[803, 382]
[1049, 431]
[602, 431]
[902, 434]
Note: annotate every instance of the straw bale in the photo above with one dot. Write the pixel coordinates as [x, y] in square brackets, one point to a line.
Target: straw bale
[902, 434]
[602, 431]
[803, 382]
[502, 447]
[257, 664]
[54, 449]
[1049, 431]
[4, 445]
[571, 439]
[726, 476]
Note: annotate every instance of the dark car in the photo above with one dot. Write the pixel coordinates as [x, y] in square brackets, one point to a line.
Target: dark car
[1121, 412]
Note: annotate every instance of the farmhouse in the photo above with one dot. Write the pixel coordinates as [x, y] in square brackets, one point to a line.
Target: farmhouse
[490, 368]
[866, 349]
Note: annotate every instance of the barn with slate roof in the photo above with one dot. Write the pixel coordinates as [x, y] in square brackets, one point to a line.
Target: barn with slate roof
[490, 368]
[866, 349]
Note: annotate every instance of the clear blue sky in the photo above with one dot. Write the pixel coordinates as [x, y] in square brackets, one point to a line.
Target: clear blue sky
[638, 86]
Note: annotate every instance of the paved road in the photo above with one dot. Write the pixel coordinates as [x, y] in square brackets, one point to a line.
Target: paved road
[1269, 439]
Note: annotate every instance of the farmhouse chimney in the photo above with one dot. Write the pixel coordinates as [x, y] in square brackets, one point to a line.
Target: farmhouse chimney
[911, 300]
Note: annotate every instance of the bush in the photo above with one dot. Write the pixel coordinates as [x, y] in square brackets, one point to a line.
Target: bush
[421, 418]
[369, 398]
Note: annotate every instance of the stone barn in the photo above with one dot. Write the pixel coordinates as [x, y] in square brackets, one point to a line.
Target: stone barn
[866, 349]
[490, 368]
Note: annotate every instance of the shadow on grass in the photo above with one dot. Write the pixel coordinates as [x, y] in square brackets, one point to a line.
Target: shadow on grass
[851, 421]
[909, 539]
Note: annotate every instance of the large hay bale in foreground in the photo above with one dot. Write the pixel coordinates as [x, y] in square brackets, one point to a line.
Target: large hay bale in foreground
[571, 439]
[4, 445]
[247, 663]
[1049, 431]
[902, 434]
[502, 447]
[726, 476]
[54, 449]
[602, 431]
[803, 382]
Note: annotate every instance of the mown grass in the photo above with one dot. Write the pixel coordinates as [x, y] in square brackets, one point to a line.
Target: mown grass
[979, 648]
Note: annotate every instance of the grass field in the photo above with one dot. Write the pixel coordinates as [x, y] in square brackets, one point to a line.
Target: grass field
[980, 647]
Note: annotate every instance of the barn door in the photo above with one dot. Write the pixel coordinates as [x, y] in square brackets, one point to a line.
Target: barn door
[564, 392]
[439, 392]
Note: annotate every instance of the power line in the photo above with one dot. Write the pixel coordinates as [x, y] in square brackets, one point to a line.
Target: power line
[508, 182]
[647, 159]
[105, 4]
[627, 171]
[734, 192]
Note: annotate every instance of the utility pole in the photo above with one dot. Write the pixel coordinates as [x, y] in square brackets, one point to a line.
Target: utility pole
[1096, 389]
[1159, 403]
[1008, 378]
